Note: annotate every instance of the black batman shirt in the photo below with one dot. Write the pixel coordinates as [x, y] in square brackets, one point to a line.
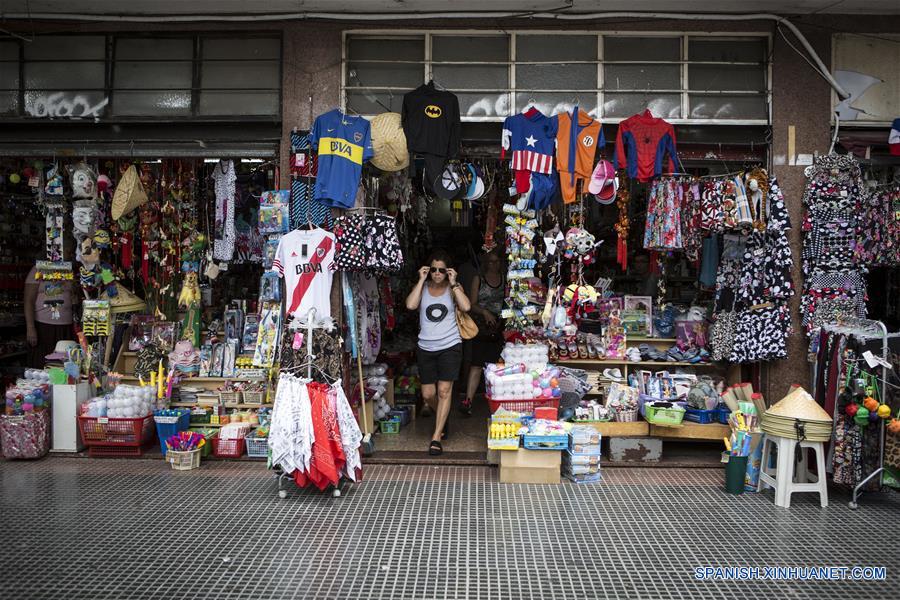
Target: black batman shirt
[431, 121]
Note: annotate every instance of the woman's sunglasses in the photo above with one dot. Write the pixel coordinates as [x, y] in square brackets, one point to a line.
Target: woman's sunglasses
[439, 270]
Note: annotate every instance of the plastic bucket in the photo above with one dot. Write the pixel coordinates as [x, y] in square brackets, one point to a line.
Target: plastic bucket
[735, 471]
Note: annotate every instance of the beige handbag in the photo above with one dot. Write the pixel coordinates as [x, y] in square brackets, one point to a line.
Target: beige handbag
[467, 327]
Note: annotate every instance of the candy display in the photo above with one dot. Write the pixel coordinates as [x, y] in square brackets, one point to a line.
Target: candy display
[515, 383]
[126, 401]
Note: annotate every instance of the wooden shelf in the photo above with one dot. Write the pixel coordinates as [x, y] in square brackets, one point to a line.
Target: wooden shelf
[692, 431]
[596, 361]
[201, 425]
[192, 404]
[619, 429]
[188, 380]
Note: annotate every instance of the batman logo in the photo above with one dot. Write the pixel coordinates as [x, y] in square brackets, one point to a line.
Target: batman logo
[433, 112]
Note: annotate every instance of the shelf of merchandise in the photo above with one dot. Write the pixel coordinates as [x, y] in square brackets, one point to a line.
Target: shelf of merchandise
[648, 363]
[687, 431]
[202, 425]
[192, 404]
[189, 380]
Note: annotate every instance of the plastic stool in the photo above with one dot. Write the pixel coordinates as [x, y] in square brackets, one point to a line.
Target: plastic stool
[782, 477]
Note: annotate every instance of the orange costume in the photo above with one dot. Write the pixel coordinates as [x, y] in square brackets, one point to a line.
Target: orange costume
[576, 144]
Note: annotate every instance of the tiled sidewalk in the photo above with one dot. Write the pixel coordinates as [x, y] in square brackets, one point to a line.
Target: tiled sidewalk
[97, 529]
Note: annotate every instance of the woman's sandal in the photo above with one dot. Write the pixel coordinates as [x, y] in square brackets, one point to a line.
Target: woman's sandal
[435, 448]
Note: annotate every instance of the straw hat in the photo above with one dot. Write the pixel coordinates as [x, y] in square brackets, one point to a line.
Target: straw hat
[389, 143]
[797, 411]
[799, 405]
[129, 194]
[125, 301]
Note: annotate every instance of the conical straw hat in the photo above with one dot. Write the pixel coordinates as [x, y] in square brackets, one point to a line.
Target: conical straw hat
[129, 194]
[125, 301]
[389, 143]
[799, 405]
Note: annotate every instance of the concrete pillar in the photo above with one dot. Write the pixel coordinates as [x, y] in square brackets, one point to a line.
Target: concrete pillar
[311, 79]
[800, 99]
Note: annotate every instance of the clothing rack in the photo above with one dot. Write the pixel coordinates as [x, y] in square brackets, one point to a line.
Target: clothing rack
[868, 330]
[310, 325]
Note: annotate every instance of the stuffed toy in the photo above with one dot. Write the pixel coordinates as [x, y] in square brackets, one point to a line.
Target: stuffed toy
[190, 291]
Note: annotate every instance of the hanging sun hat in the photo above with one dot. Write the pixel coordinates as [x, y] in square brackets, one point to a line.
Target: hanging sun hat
[124, 301]
[129, 194]
[476, 184]
[450, 184]
[389, 143]
[61, 350]
[604, 184]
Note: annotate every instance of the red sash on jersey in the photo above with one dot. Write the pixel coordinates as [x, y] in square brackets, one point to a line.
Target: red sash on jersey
[307, 278]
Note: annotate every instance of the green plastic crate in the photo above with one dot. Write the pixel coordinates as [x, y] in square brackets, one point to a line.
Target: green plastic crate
[657, 415]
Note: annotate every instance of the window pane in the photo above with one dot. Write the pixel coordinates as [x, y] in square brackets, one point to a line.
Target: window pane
[367, 103]
[730, 50]
[65, 104]
[728, 107]
[737, 78]
[552, 104]
[248, 74]
[546, 48]
[556, 77]
[64, 75]
[238, 103]
[642, 77]
[667, 106]
[153, 75]
[471, 77]
[364, 48]
[143, 103]
[154, 49]
[242, 49]
[472, 48]
[484, 104]
[398, 75]
[69, 47]
[641, 48]
[9, 77]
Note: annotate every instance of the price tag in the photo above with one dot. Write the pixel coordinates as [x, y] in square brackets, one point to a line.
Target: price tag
[103, 420]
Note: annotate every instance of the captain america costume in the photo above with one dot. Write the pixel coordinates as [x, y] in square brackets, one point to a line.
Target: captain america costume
[642, 143]
[531, 138]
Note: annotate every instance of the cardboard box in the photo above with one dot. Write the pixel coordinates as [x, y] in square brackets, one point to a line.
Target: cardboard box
[369, 425]
[530, 466]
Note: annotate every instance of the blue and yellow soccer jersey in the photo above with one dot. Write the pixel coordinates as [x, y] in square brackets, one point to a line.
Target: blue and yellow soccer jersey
[343, 143]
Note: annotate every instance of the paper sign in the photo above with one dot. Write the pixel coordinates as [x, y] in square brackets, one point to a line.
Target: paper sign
[875, 361]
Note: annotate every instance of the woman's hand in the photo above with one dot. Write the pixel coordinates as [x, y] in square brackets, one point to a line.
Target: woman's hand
[423, 273]
[451, 275]
[489, 319]
[31, 336]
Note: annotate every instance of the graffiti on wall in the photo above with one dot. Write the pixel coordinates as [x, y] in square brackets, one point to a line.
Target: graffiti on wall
[65, 105]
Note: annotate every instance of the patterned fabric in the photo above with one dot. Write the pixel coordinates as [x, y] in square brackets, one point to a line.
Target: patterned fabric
[368, 243]
[663, 226]
[691, 219]
[326, 346]
[761, 335]
[303, 181]
[832, 261]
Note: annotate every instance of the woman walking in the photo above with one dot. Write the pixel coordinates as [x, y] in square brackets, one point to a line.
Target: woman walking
[436, 296]
[486, 295]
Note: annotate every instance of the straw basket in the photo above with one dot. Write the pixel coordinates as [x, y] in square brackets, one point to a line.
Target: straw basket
[627, 416]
